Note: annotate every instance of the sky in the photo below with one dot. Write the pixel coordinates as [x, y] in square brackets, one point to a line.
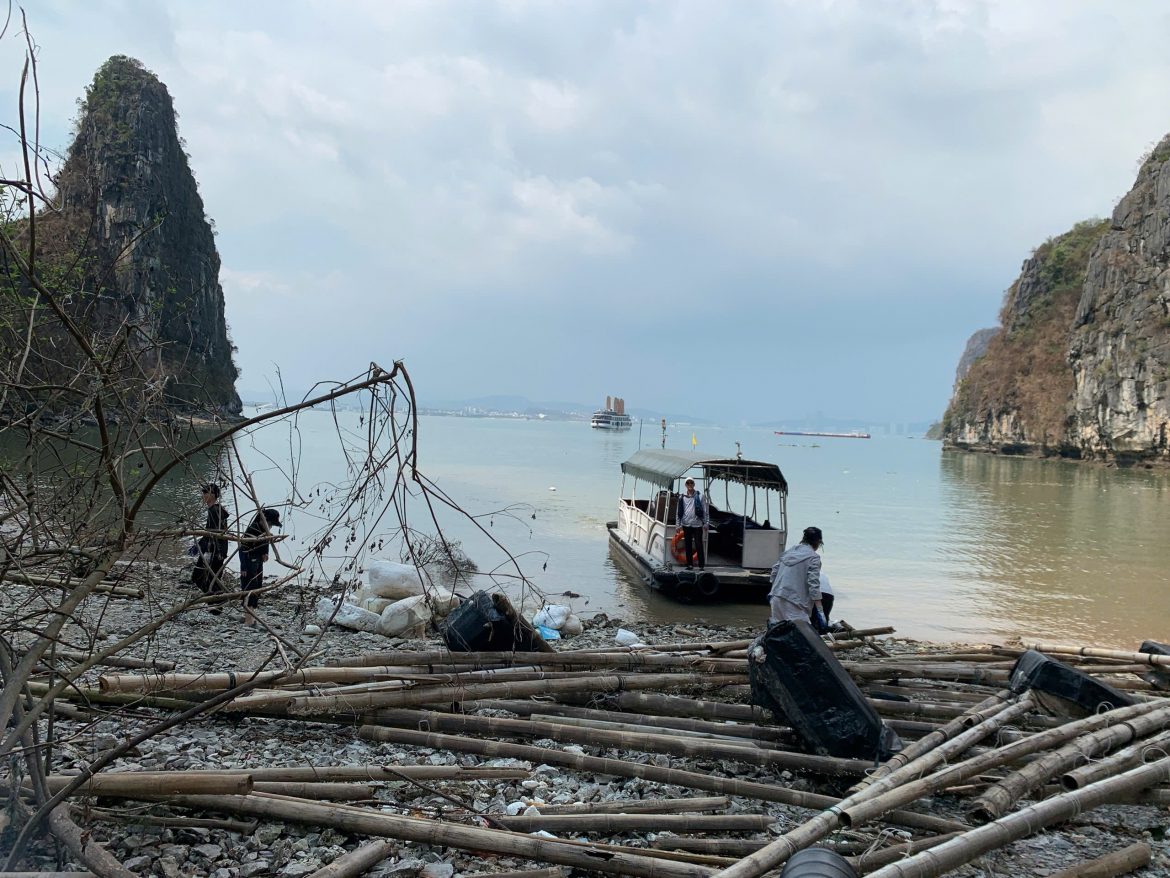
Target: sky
[740, 211]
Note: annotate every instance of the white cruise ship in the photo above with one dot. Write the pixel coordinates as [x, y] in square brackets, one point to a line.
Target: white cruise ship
[613, 416]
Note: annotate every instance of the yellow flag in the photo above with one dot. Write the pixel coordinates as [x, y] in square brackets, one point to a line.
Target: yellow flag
[694, 441]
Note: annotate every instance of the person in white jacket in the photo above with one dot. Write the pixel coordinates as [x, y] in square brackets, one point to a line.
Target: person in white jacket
[796, 582]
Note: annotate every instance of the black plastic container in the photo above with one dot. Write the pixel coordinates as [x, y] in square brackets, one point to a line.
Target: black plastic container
[482, 623]
[801, 682]
[1159, 676]
[1075, 693]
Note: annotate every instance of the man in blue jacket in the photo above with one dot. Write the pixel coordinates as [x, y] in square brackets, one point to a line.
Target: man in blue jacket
[693, 519]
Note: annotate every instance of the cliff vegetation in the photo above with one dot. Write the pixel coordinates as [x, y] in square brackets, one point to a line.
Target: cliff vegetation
[1079, 366]
[126, 247]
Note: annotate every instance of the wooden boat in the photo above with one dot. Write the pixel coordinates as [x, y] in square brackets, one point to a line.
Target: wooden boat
[748, 501]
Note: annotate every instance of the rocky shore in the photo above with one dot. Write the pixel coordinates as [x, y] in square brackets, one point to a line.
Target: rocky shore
[159, 839]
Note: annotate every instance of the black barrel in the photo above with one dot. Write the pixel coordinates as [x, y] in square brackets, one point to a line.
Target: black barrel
[817, 863]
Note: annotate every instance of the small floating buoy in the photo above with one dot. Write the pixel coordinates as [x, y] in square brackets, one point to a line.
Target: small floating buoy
[552, 487]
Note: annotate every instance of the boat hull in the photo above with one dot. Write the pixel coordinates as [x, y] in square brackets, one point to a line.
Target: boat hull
[712, 585]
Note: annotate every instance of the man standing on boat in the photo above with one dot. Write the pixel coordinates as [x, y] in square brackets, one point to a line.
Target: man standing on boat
[796, 583]
[693, 519]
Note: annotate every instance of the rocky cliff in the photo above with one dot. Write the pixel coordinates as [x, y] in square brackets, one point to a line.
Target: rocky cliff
[132, 223]
[1081, 364]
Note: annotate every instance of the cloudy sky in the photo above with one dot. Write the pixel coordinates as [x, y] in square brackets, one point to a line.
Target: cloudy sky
[737, 210]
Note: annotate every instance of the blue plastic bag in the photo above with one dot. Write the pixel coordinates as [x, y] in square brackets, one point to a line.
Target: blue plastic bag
[548, 633]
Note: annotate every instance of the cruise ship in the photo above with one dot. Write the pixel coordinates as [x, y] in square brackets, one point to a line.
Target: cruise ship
[613, 416]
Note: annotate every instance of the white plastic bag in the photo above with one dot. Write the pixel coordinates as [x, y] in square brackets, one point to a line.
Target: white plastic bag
[552, 616]
[375, 605]
[442, 601]
[627, 638]
[572, 626]
[389, 579]
[404, 615]
[348, 616]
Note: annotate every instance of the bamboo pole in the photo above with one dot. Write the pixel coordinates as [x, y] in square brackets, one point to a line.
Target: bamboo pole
[931, 690]
[1153, 796]
[966, 847]
[1121, 862]
[876, 858]
[624, 768]
[1134, 658]
[642, 806]
[872, 808]
[975, 715]
[954, 672]
[731, 847]
[80, 695]
[575, 823]
[551, 872]
[641, 727]
[343, 773]
[131, 784]
[432, 656]
[326, 704]
[674, 705]
[642, 741]
[336, 792]
[114, 661]
[358, 861]
[117, 591]
[473, 838]
[1123, 759]
[749, 731]
[121, 816]
[996, 801]
[827, 821]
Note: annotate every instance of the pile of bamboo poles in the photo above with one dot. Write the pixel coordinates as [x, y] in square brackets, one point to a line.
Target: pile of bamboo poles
[677, 715]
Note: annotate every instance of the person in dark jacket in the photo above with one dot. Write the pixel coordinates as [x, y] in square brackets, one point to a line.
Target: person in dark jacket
[213, 550]
[253, 553]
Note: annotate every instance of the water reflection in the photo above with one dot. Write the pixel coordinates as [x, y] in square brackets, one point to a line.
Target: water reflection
[69, 484]
[1058, 550]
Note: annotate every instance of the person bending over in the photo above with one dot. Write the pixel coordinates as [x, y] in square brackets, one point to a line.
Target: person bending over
[796, 582]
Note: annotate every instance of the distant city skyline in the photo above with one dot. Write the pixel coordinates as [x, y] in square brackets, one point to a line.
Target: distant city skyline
[736, 210]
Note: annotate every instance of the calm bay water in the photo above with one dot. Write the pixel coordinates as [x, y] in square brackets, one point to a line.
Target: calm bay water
[941, 545]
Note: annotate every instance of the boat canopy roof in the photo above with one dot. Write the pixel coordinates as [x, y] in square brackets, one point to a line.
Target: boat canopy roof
[662, 467]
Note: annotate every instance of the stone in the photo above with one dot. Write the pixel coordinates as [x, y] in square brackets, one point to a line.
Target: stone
[256, 867]
[298, 868]
[210, 851]
[267, 833]
[138, 864]
[438, 870]
[169, 866]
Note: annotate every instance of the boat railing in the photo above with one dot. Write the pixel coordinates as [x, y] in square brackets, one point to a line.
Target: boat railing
[642, 529]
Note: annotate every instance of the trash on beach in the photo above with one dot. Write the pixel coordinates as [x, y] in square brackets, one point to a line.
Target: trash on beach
[488, 621]
[390, 579]
[625, 637]
[346, 615]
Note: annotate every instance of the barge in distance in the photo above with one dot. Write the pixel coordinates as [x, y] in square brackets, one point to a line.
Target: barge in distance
[748, 503]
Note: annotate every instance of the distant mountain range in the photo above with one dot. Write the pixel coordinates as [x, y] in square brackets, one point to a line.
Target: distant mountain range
[514, 405]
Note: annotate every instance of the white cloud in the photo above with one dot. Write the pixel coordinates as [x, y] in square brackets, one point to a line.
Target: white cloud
[371, 164]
